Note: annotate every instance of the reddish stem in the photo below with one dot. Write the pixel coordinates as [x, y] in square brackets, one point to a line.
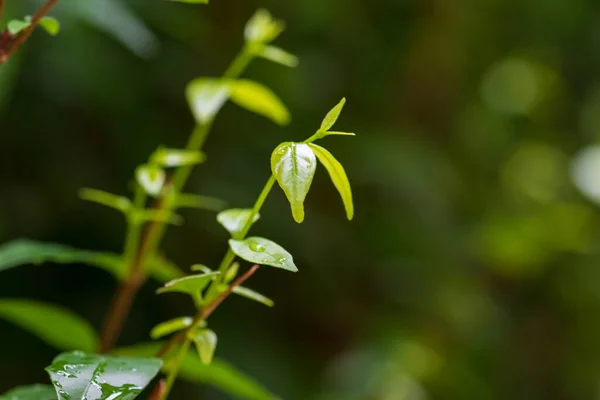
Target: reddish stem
[204, 313]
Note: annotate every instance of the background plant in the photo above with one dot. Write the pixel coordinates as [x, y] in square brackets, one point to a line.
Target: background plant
[293, 164]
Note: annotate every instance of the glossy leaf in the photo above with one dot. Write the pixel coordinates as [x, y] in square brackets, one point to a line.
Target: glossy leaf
[55, 325]
[24, 251]
[294, 165]
[206, 343]
[151, 178]
[206, 96]
[338, 177]
[332, 116]
[198, 201]
[119, 203]
[168, 327]
[176, 157]
[32, 392]
[262, 28]
[235, 219]
[219, 373]
[80, 376]
[280, 56]
[50, 25]
[262, 251]
[252, 295]
[259, 99]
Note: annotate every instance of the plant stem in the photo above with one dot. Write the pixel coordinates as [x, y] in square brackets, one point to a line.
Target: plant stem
[1, 9]
[229, 256]
[149, 244]
[26, 33]
[204, 313]
[174, 371]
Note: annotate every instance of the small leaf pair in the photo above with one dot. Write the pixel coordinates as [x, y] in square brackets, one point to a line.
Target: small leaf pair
[49, 24]
[294, 165]
[206, 96]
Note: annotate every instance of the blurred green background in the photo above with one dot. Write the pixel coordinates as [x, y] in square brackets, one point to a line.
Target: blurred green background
[472, 268]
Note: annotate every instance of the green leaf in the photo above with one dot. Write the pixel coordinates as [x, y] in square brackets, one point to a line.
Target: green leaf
[332, 116]
[262, 251]
[219, 373]
[151, 178]
[168, 327]
[119, 203]
[198, 201]
[16, 25]
[262, 28]
[338, 177]
[192, 285]
[32, 392]
[280, 56]
[235, 219]
[294, 165]
[50, 25]
[176, 157]
[323, 134]
[231, 272]
[190, 1]
[259, 99]
[157, 215]
[252, 295]
[24, 251]
[206, 343]
[206, 96]
[80, 376]
[55, 325]
[201, 267]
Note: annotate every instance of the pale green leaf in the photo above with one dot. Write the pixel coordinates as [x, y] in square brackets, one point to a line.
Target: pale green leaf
[171, 326]
[80, 376]
[338, 133]
[23, 251]
[294, 165]
[176, 157]
[262, 28]
[338, 177]
[198, 201]
[50, 25]
[259, 99]
[231, 272]
[219, 373]
[201, 267]
[262, 251]
[16, 25]
[206, 343]
[332, 116]
[235, 219]
[120, 203]
[252, 295]
[151, 178]
[55, 325]
[32, 392]
[192, 285]
[278, 55]
[206, 96]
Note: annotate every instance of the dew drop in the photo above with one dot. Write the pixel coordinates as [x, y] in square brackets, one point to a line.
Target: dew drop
[281, 151]
[64, 394]
[256, 247]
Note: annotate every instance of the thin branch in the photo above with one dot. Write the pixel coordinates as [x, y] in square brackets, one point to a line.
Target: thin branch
[26, 33]
[158, 391]
[1, 9]
[206, 312]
